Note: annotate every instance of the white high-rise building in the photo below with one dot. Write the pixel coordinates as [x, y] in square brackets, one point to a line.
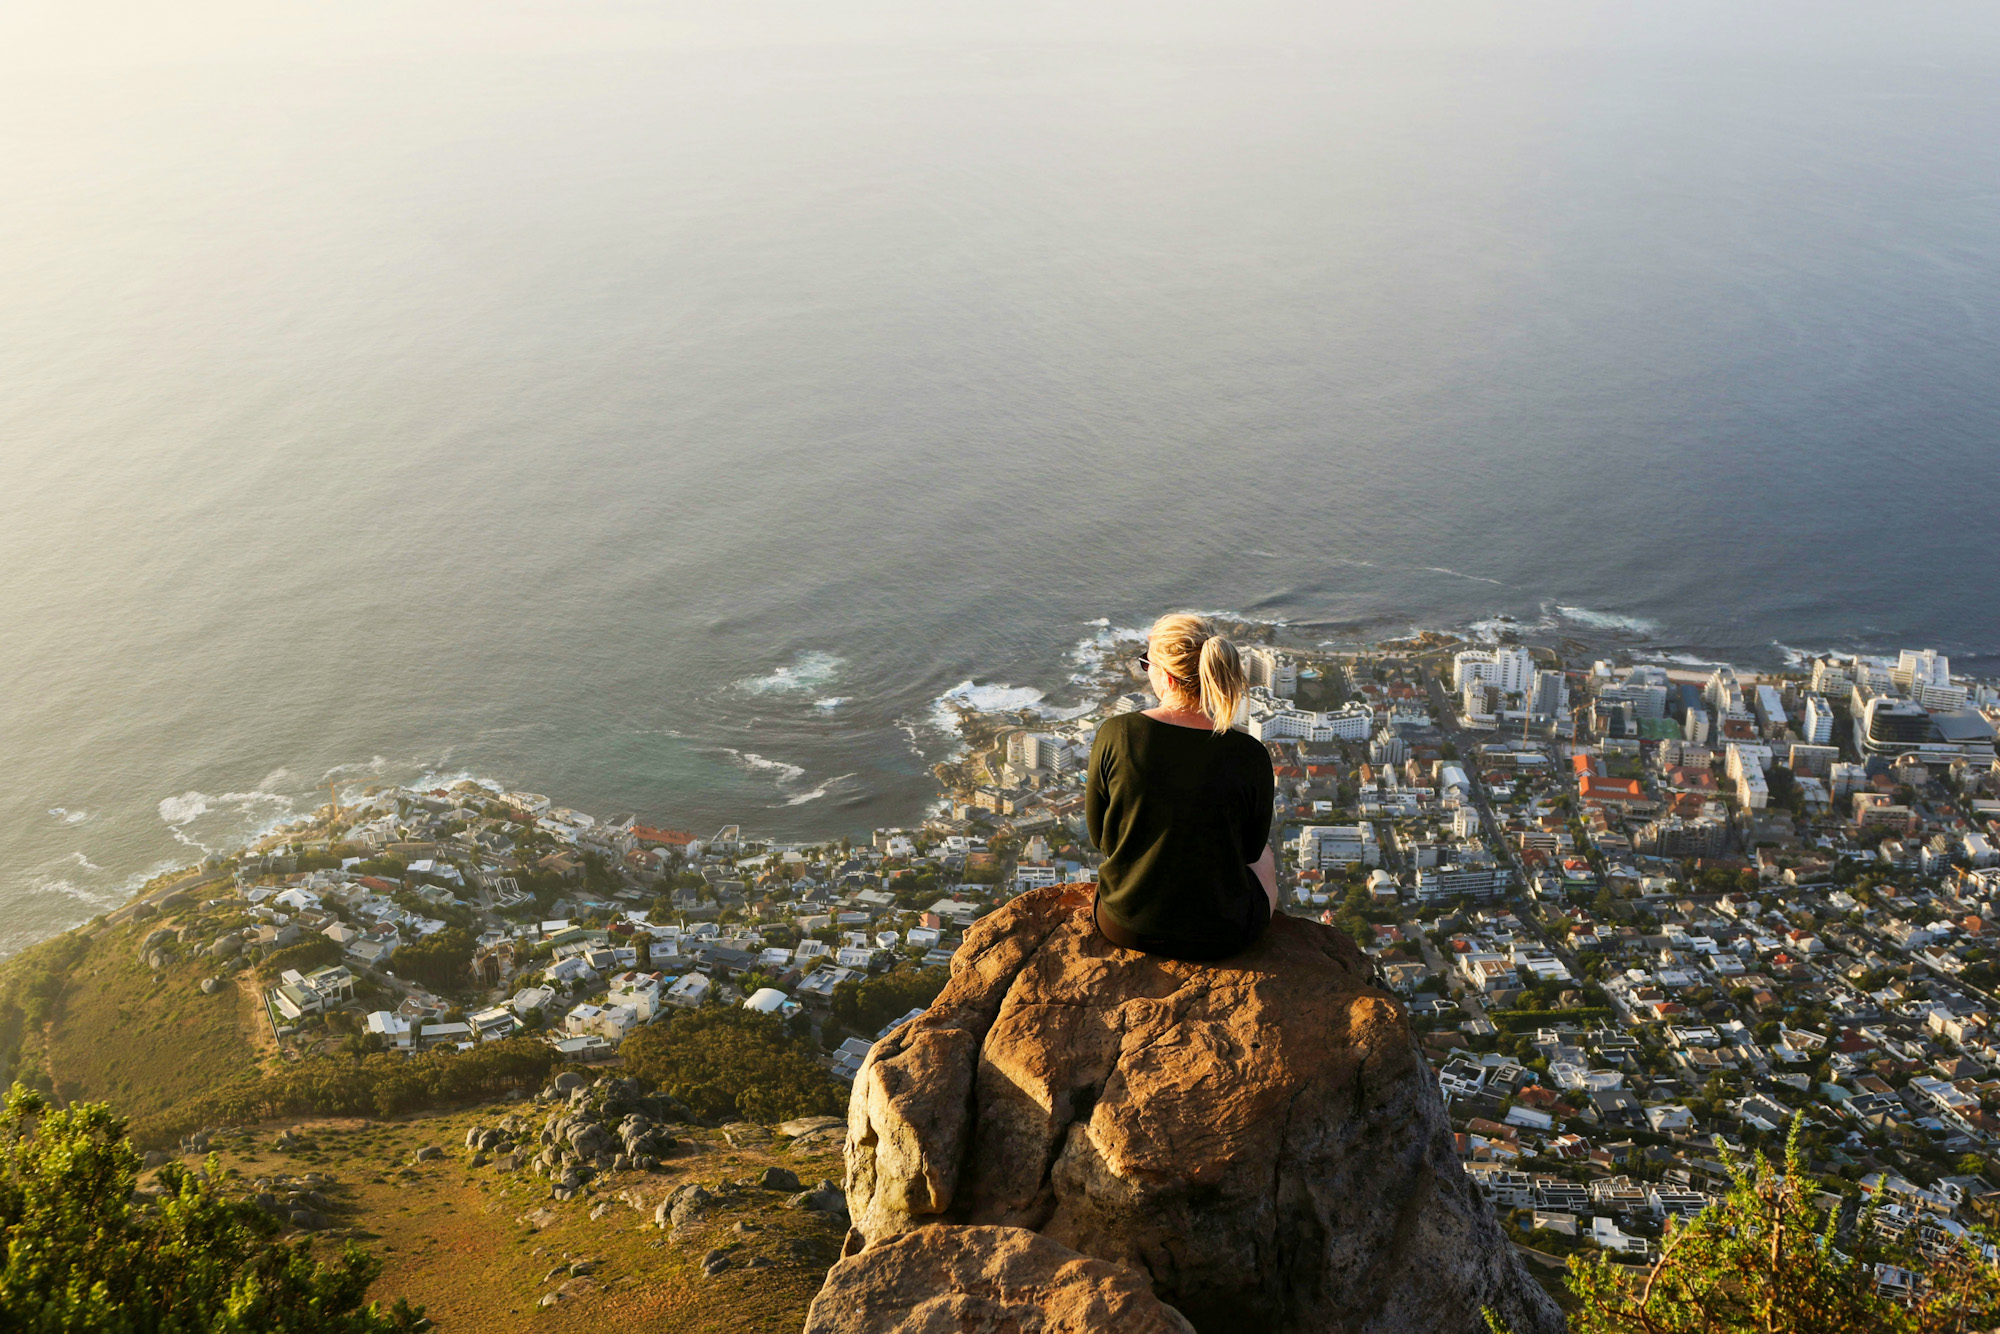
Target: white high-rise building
[1695, 726]
[1817, 725]
[1266, 667]
[1388, 748]
[1510, 669]
[1921, 666]
[1925, 675]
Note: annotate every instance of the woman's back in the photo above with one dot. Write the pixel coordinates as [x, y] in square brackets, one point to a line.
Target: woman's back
[1180, 813]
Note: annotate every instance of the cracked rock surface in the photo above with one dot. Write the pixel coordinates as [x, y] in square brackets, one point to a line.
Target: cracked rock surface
[1260, 1139]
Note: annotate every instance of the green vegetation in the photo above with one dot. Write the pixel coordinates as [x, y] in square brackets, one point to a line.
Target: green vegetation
[313, 952]
[864, 1006]
[732, 1064]
[381, 1084]
[1764, 1261]
[441, 961]
[81, 1255]
[1515, 1021]
[82, 1017]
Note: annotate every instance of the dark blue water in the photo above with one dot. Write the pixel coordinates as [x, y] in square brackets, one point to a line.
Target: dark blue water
[668, 427]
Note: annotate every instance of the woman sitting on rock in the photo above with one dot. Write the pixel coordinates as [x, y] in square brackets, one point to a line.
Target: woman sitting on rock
[1180, 806]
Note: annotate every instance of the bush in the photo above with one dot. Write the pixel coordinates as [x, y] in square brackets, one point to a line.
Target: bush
[866, 1005]
[370, 1085]
[80, 1255]
[732, 1064]
[442, 961]
[310, 953]
[1763, 1261]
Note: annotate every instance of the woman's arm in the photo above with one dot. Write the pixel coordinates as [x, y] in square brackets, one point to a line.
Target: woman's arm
[1265, 868]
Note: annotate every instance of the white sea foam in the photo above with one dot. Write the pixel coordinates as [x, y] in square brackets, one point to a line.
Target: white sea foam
[787, 773]
[55, 884]
[1682, 660]
[830, 703]
[818, 792]
[180, 810]
[68, 816]
[81, 860]
[1456, 574]
[1608, 620]
[808, 671]
[1797, 657]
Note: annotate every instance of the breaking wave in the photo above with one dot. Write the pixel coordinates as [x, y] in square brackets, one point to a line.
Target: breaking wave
[808, 671]
[1608, 620]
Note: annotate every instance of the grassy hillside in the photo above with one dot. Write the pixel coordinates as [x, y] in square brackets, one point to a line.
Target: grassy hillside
[469, 1243]
[84, 1017]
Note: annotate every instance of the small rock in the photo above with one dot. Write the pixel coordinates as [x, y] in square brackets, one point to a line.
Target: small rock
[153, 1158]
[714, 1263]
[581, 1268]
[806, 1125]
[550, 1299]
[210, 985]
[429, 1153]
[779, 1178]
[539, 1218]
[480, 1159]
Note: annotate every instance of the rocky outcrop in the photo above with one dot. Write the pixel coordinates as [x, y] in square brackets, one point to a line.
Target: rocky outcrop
[940, 1280]
[1261, 1139]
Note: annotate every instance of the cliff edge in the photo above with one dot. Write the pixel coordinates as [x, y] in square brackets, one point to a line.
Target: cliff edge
[1260, 1142]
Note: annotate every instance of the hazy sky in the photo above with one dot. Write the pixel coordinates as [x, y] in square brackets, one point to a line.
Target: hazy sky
[46, 34]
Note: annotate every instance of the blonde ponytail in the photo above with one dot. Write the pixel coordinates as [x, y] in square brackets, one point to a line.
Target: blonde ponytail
[1202, 664]
[1222, 682]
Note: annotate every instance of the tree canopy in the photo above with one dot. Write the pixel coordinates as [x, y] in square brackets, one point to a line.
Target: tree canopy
[866, 1004]
[1764, 1260]
[79, 1254]
[727, 1063]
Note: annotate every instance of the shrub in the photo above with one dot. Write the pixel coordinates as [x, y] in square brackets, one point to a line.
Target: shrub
[310, 953]
[730, 1064]
[80, 1255]
[867, 1004]
[1763, 1261]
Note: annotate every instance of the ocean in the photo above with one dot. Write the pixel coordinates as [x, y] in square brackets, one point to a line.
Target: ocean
[670, 418]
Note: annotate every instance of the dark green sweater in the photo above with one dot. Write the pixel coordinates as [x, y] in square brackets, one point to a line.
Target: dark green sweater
[1180, 813]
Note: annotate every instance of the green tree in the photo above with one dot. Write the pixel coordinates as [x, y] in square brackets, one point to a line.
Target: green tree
[81, 1256]
[866, 1004]
[310, 953]
[442, 960]
[1763, 1261]
[727, 1063]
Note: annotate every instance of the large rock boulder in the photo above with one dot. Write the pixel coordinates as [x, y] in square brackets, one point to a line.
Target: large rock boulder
[1261, 1138]
[940, 1280]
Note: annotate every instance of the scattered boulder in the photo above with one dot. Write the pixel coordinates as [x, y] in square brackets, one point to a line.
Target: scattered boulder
[745, 1134]
[174, 900]
[227, 946]
[714, 1263]
[965, 1278]
[779, 1178]
[825, 1198]
[153, 1158]
[1261, 1139]
[210, 985]
[285, 1142]
[689, 1205]
[566, 1081]
[814, 1134]
[430, 1153]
